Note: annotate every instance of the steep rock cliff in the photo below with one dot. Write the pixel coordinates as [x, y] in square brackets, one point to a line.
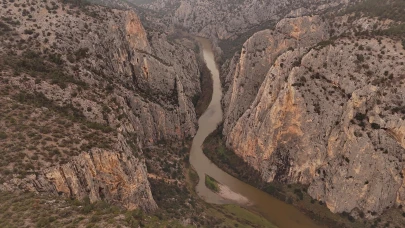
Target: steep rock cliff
[100, 174]
[225, 19]
[328, 115]
[101, 89]
[248, 69]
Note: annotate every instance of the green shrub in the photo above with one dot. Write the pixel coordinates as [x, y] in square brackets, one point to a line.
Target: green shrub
[360, 57]
[3, 135]
[360, 116]
[299, 193]
[56, 58]
[211, 183]
[28, 31]
[81, 53]
[375, 126]
[4, 28]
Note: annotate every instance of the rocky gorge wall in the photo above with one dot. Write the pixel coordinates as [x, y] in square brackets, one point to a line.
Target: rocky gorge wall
[326, 113]
[226, 19]
[248, 69]
[116, 88]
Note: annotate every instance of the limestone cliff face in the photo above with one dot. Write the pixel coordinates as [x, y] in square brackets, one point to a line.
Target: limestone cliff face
[115, 176]
[249, 68]
[117, 89]
[327, 115]
[100, 174]
[165, 78]
[224, 19]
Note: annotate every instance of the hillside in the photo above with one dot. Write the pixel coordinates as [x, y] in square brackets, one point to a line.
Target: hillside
[318, 101]
[83, 98]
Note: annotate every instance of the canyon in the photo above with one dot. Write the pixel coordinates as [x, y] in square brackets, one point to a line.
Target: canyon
[314, 99]
[101, 104]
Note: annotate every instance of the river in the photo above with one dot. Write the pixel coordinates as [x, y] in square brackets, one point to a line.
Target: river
[278, 212]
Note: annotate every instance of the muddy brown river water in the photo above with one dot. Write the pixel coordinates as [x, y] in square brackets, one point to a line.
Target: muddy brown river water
[278, 212]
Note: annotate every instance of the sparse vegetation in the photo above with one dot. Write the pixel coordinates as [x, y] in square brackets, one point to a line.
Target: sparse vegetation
[211, 183]
[34, 64]
[32, 210]
[375, 126]
[391, 9]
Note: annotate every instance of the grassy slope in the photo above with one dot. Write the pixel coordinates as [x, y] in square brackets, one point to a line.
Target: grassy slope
[236, 216]
[29, 210]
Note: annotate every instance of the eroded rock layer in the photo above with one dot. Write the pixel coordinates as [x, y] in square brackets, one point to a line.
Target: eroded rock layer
[101, 89]
[226, 19]
[327, 114]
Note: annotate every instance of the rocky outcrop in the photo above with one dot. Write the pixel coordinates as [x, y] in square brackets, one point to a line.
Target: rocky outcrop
[327, 115]
[118, 89]
[165, 76]
[249, 68]
[114, 176]
[246, 71]
[226, 19]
